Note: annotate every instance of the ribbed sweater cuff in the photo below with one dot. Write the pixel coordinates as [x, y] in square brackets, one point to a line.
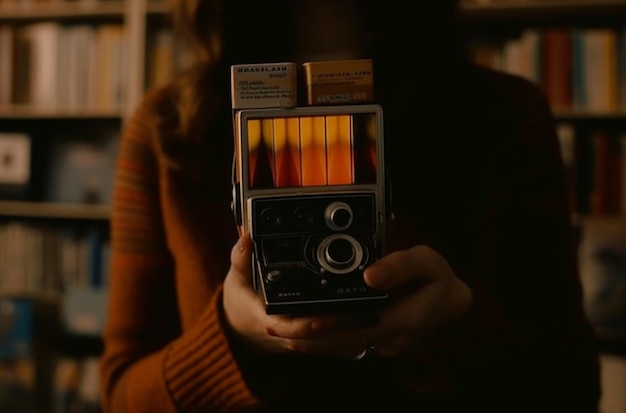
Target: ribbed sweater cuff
[200, 370]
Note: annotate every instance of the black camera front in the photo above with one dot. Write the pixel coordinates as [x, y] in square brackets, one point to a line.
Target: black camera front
[314, 249]
[310, 189]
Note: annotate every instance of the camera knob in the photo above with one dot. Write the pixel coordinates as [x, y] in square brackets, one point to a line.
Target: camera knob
[270, 217]
[338, 216]
[303, 216]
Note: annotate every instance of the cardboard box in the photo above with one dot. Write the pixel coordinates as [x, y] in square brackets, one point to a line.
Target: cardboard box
[266, 85]
[339, 82]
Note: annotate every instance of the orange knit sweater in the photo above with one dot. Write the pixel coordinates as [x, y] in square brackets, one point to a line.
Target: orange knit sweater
[477, 177]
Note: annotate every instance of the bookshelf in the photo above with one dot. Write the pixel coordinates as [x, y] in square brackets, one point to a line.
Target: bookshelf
[569, 48]
[574, 50]
[53, 210]
[69, 98]
[494, 11]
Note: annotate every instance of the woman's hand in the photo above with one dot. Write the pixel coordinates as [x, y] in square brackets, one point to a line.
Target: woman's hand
[245, 313]
[425, 296]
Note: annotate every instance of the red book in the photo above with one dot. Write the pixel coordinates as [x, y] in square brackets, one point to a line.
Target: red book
[606, 192]
[557, 66]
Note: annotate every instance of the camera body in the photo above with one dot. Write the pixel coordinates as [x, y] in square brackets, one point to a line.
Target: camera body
[310, 188]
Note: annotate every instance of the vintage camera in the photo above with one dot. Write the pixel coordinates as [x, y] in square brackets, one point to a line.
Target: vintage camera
[310, 187]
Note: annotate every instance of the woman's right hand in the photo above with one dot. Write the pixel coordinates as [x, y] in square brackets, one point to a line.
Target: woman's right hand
[250, 324]
[243, 307]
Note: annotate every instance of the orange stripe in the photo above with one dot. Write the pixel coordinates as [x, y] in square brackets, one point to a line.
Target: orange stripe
[125, 195]
[128, 164]
[122, 260]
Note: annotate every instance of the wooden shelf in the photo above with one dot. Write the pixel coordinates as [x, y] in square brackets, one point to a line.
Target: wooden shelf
[525, 10]
[51, 210]
[541, 6]
[63, 10]
[586, 114]
[42, 112]
[34, 112]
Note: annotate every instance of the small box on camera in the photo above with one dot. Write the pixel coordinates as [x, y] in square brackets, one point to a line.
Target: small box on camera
[265, 85]
[339, 82]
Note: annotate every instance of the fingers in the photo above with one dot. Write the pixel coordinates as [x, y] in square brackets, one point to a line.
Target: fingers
[425, 296]
[419, 264]
[245, 313]
[300, 328]
[347, 345]
[429, 298]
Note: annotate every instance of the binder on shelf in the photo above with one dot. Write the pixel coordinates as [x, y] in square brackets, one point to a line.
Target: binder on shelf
[26, 324]
[29, 331]
[81, 171]
[15, 165]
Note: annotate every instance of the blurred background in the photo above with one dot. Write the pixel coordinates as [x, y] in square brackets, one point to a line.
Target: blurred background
[71, 71]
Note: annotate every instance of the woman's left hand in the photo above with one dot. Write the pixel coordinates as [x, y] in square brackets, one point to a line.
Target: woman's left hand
[425, 297]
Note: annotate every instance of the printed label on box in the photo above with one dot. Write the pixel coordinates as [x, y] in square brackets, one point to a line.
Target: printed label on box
[339, 82]
[268, 85]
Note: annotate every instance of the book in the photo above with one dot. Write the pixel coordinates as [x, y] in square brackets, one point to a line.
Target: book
[81, 171]
[621, 67]
[557, 66]
[15, 158]
[81, 65]
[43, 41]
[622, 172]
[520, 55]
[602, 259]
[579, 88]
[566, 133]
[15, 165]
[161, 63]
[606, 190]
[18, 387]
[18, 321]
[6, 64]
[601, 84]
[84, 310]
[110, 76]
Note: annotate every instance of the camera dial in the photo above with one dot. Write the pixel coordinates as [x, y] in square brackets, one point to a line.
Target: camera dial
[271, 218]
[303, 216]
[338, 216]
[339, 253]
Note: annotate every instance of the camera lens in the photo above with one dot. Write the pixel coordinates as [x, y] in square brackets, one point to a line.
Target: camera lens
[270, 217]
[340, 253]
[338, 216]
[303, 216]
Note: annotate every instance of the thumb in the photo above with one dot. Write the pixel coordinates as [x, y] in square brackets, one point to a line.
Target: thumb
[241, 255]
[414, 265]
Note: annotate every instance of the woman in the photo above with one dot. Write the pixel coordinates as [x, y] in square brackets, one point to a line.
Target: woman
[484, 310]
